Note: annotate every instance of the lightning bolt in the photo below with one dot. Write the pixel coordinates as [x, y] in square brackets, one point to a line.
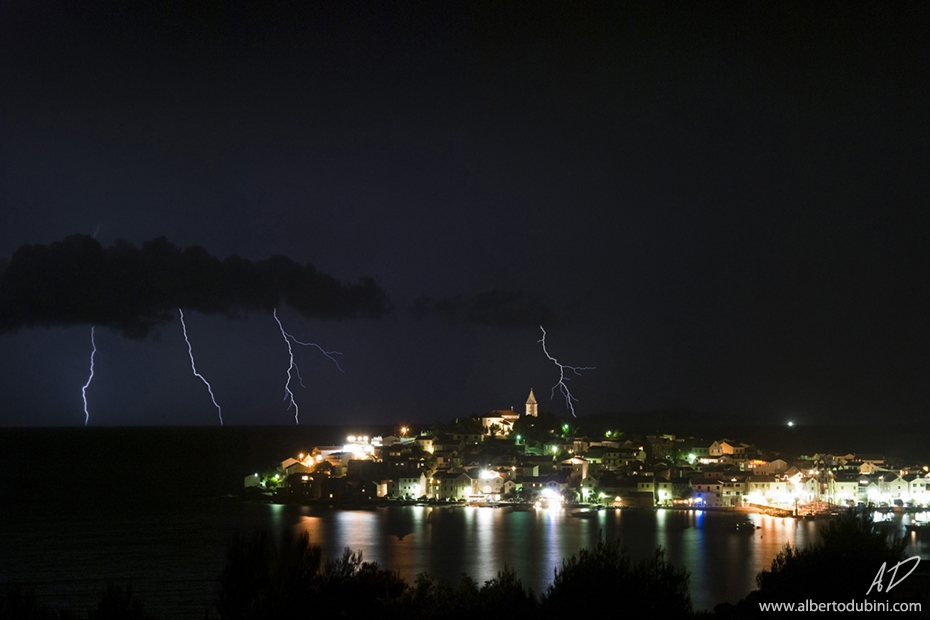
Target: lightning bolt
[287, 385]
[190, 351]
[91, 377]
[288, 338]
[563, 388]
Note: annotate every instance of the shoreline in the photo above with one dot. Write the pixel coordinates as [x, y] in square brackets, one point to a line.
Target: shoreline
[374, 504]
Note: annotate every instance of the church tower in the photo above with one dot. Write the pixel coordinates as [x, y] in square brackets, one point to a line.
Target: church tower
[531, 409]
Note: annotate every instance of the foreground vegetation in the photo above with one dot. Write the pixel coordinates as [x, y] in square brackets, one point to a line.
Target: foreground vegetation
[265, 579]
[841, 567]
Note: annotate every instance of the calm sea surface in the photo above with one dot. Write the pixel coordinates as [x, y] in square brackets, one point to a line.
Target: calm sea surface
[140, 507]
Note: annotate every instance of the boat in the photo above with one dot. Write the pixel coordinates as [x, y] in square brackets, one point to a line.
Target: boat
[746, 526]
[585, 514]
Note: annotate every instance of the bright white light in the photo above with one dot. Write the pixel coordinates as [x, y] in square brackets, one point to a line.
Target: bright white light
[359, 451]
[790, 423]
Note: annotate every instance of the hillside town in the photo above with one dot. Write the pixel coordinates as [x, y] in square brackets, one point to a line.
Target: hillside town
[528, 459]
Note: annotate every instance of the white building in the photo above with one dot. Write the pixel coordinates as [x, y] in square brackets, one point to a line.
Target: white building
[503, 419]
[408, 486]
[768, 490]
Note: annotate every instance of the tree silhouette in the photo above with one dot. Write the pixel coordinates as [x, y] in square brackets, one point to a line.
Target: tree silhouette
[648, 588]
[119, 604]
[432, 599]
[841, 567]
[263, 580]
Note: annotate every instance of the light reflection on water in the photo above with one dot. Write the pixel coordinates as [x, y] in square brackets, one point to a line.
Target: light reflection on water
[448, 542]
[173, 557]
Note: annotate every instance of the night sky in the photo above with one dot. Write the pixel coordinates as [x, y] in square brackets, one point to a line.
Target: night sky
[722, 208]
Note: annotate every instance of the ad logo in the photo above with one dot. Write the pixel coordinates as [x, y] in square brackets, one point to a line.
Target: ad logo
[893, 573]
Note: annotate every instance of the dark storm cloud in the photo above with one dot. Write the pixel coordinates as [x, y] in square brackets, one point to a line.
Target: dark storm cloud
[78, 281]
[504, 309]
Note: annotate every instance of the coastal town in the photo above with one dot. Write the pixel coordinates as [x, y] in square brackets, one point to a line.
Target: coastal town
[526, 459]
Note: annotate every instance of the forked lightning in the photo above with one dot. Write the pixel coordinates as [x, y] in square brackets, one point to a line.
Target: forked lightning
[563, 388]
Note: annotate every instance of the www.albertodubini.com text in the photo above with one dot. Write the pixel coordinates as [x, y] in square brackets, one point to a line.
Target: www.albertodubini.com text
[853, 605]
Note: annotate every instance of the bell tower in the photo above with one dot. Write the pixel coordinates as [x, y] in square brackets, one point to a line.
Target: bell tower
[531, 408]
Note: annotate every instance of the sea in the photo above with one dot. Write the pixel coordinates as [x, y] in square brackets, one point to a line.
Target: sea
[81, 508]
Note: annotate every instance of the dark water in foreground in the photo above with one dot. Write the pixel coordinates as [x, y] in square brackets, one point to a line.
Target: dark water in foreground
[140, 507]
